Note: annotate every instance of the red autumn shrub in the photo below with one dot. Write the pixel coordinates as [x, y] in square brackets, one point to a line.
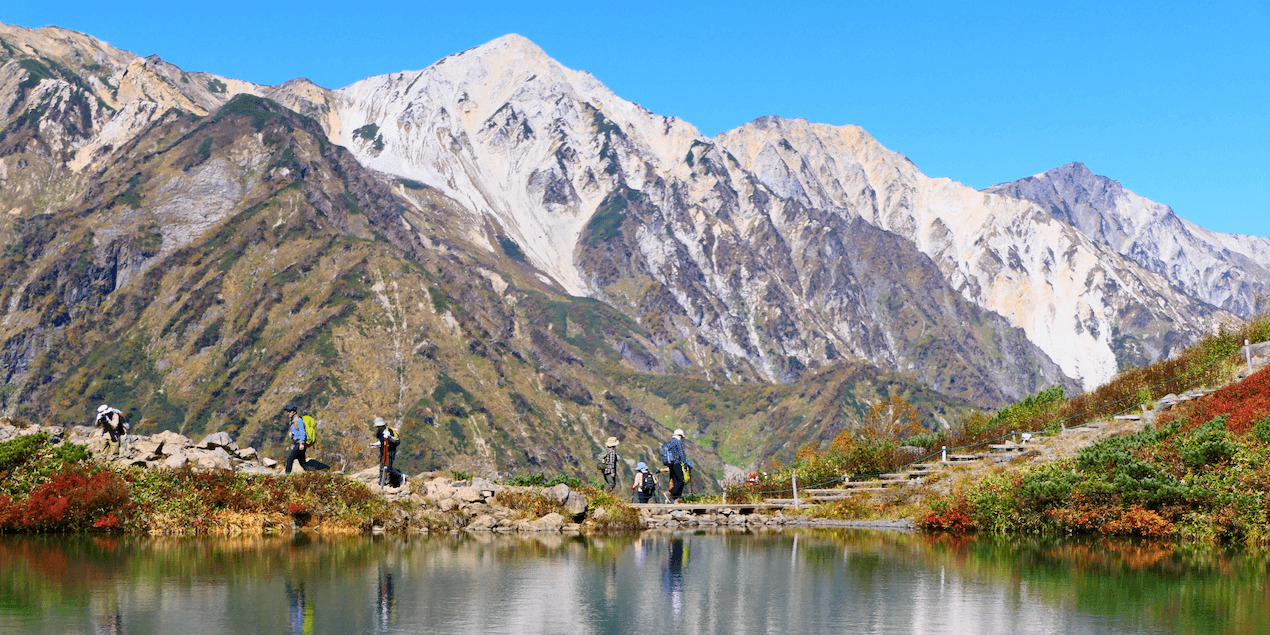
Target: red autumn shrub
[73, 499]
[1245, 402]
[947, 515]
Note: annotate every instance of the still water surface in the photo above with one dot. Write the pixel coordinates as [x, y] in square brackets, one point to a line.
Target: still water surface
[803, 581]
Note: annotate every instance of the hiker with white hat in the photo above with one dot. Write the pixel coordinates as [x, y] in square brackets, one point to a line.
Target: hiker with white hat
[608, 464]
[386, 440]
[114, 426]
[672, 455]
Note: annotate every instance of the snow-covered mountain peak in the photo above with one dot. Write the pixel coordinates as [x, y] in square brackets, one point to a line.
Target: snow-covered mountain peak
[538, 145]
[1229, 271]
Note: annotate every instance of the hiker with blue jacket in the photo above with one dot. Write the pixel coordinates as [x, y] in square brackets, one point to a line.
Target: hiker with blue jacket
[672, 454]
[298, 436]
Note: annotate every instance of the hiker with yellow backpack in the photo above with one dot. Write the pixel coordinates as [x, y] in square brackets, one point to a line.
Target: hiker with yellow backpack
[301, 431]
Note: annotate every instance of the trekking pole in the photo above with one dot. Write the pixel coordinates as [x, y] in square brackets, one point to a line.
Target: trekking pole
[383, 462]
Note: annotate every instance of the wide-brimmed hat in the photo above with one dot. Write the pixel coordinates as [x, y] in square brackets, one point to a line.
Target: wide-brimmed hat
[611, 443]
[379, 422]
[679, 432]
[641, 467]
[102, 408]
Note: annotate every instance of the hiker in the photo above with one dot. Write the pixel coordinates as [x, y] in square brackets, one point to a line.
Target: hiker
[672, 455]
[645, 483]
[295, 430]
[608, 464]
[114, 426]
[386, 440]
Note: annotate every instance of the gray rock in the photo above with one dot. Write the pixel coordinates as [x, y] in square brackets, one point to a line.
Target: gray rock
[176, 461]
[217, 459]
[247, 454]
[560, 492]
[268, 462]
[485, 485]
[469, 494]
[147, 448]
[172, 440]
[484, 522]
[447, 504]
[575, 504]
[550, 522]
[218, 440]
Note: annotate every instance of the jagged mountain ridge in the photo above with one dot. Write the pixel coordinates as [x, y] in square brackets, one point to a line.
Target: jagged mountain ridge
[1226, 270]
[207, 268]
[540, 146]
[715, 255]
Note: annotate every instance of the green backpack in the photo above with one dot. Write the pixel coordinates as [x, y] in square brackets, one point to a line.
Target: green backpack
[310, 429]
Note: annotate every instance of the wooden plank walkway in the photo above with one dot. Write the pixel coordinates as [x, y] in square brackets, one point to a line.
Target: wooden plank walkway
[706, 507]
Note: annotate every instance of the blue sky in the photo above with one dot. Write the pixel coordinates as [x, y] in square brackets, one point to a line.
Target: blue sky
[1172, 99]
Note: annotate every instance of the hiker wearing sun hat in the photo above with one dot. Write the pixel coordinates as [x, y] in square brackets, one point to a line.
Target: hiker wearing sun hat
[608, 464]
[114, 427]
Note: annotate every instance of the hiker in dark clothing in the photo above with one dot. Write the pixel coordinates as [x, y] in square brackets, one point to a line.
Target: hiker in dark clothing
[608, 464]
[645, 483]
[673, 456]
[298, 437]
[386, 440]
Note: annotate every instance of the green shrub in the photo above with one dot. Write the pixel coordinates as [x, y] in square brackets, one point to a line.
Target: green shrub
[1207, 444]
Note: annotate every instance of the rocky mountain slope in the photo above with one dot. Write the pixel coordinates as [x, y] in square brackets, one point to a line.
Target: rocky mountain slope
[1226, 270]
[745, 231]
[515, 263]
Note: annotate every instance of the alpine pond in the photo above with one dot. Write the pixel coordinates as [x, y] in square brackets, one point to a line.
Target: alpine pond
[784, 581]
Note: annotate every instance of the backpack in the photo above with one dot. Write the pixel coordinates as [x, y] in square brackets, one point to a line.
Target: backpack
[310, 429]
[666, 456]
[649, 483]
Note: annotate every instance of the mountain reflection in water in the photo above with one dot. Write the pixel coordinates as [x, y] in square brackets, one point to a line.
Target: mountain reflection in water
[784, 581]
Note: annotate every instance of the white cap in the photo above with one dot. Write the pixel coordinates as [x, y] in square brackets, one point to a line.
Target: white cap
[679, 432]
[102, 408]
[379, 421]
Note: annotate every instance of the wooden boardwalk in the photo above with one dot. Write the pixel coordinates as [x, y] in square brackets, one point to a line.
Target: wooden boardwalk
[707, 507]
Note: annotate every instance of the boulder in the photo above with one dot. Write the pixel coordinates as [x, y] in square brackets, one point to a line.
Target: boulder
[601, 515]
[217, 440]
[447, 504]
[469, 494]
[270, 463]
[486, 487]
[217, 459]
[575, 504]
[254, 469]
[247, 454]
[560, 492]
[147, 448]
[550, 522]
[176, 461]
[484, 522]
[172, 441]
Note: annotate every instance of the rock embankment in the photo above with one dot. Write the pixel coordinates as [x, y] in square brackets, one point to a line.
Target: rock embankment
[216, 451]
